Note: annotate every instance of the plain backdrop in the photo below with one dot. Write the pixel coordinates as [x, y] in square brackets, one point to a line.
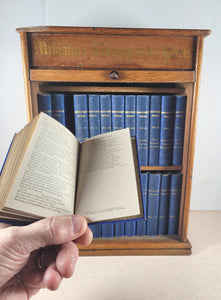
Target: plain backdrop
[189, 14]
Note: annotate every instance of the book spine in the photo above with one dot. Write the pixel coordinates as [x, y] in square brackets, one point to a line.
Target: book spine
[167, 128]
[105, 110]
[107, 230]
[153, 203]
[94, 115]
[117, 112]
[142, 128]
[44, 104]
[164, 204]
[81, 117]
[141, 224]
[96, 230]
[179, 127]
[130, 228]
[154, 146]
[119, 229]
[58, 108]
[175, 195]
[130, 116]
[117, 104]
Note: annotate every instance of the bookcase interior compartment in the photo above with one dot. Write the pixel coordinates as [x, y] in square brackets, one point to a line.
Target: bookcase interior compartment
[75, 60]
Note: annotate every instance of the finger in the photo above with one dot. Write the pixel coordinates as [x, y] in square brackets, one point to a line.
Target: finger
[66, 259]
[49, 231]
[85, 239]
[52, 278]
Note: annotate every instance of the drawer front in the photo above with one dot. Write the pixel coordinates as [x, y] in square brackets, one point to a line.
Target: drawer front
[130, 52]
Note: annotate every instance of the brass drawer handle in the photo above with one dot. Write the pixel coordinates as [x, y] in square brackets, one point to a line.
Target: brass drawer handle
[114, 75]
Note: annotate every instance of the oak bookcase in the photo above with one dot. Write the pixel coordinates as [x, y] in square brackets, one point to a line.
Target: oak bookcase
[117, 60]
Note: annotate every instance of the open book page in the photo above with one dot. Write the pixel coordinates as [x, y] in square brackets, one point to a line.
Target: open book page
[106, 181]
[46, 181]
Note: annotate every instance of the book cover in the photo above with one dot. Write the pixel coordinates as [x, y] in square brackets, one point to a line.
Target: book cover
[175, 197]
[154, 146]
[167, 130]
[44, 103]
[153, 198]
[105, 110]
[179, 127]
[164, 203]
[130, 116]
[94, 115]
[117, 112]
[81, 116]
[141, 224]
[142, 128]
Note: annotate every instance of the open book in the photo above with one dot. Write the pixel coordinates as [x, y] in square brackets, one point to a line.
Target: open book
[47, 172]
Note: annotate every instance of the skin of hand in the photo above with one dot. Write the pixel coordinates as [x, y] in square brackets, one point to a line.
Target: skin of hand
[54, 240]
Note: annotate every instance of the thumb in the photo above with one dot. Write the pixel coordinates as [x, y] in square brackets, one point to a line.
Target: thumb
[49, 231]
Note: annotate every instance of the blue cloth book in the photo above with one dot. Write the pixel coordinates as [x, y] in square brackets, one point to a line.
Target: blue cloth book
[105, 110]
[154, 146]
[175, 195]
[142, 128]
[130, 113]
[141, 224]
[153, 198]
[167, 129]
[130, 228]
[179, 127]
[117, 112]
[94, 115]
[96, 230]
[44, 103]
[62, 110]
[164, 203]
[81, 116]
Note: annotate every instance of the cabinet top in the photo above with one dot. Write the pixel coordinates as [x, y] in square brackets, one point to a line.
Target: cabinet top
[115, 31]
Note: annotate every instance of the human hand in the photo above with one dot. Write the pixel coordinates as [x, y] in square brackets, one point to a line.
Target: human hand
[39, 255]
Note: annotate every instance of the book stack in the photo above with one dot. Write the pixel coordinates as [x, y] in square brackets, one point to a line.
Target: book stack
[158, 122]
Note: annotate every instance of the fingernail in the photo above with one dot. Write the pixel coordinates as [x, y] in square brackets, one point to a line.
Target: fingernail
[77, 224]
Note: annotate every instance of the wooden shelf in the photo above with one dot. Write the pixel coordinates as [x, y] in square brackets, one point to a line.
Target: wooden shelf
[145, 245]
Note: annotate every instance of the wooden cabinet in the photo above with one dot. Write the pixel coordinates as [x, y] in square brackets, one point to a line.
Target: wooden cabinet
[113, 60]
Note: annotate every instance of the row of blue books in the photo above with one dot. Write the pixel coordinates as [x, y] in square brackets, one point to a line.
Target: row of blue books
[157, 121]
[161, 196]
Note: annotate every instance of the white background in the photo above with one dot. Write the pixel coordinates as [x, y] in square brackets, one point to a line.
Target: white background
[189, 14]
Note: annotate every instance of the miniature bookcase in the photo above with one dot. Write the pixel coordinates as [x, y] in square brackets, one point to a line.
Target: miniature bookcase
[146, 75]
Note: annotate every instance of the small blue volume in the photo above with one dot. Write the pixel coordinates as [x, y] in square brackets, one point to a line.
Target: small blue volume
[94, 115]
[175, 197]
[142, 128]
[130, 113]
[167, 129]
[164, 203]
[81, 117]
[141, 224]
[44, 103]
[154, 145]
[153, 198]
[179, 127]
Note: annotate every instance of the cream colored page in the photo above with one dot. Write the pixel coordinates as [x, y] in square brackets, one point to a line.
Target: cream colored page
[46, 182]
[106, 182]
